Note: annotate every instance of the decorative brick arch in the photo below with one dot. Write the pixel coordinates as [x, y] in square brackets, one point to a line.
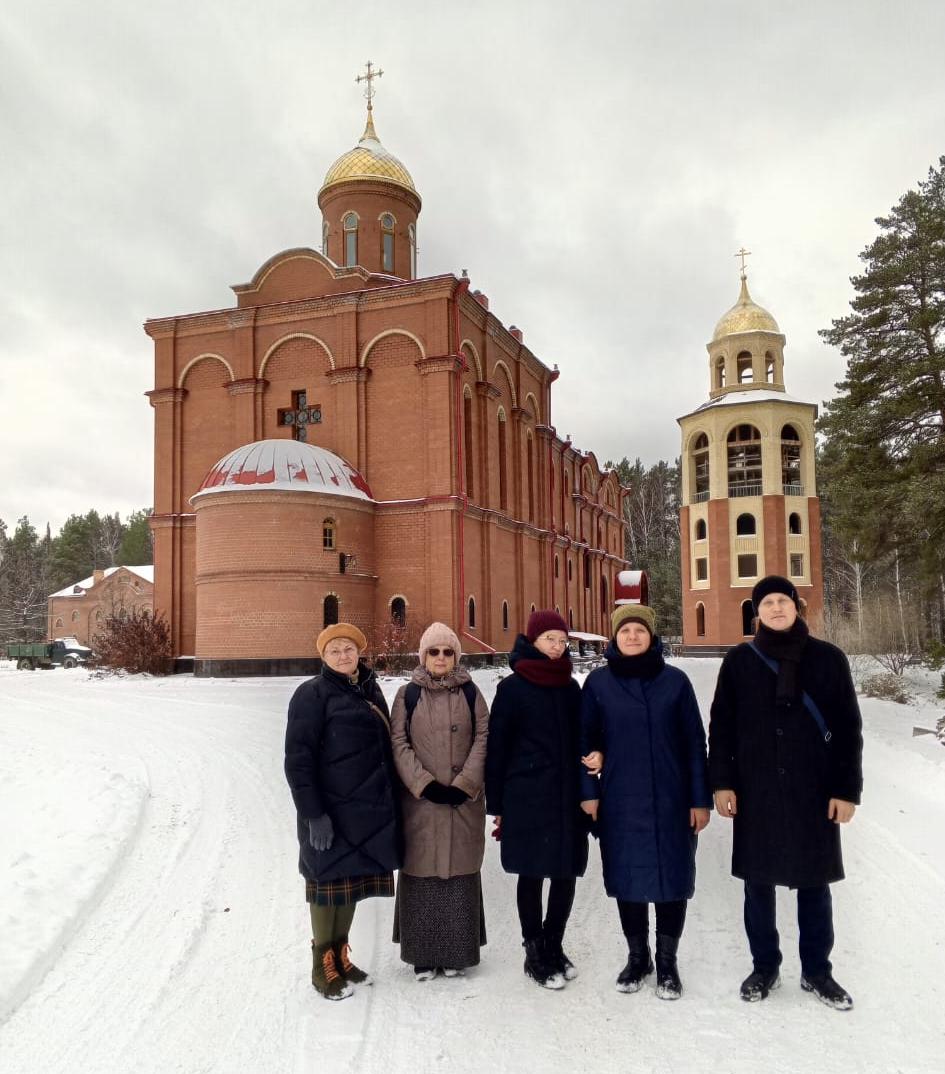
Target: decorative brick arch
[694, 436]
[468, 343]
[200, 358]
[391, 332]
[285, 339]
[536, 408]
[508, 377]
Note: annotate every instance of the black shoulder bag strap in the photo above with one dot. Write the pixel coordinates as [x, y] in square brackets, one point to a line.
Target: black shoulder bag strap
[809, 703]
[412, 696]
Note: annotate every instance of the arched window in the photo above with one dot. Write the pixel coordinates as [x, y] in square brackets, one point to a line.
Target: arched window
[530, 463]
[570, 569]
[700, 468]
[557, 609]
[505, 615]
[468, 441]
[350, 226]
[412, 239]
[328, 534]
[794, 523]
[556, 565]
[329, 610]
[503, 464]
[743, 368]
[387, 242]
[700, 620]
[702, 530]
[570, 618]
[472, 613]
[533, 607]
[791, 462]
[587, 571]
[75, 615]
[325, 237]
[744, 461]
[719, 378]
[748, 616]
[769, 367]
[746, 526]
[398, 611]
[604, 602]
[59, 622]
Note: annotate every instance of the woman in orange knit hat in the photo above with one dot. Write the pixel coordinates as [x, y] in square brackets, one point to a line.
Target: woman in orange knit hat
[340, 770]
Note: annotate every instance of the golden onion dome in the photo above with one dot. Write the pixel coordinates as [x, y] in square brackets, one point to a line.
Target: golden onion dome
[745, 316]
[368, 160]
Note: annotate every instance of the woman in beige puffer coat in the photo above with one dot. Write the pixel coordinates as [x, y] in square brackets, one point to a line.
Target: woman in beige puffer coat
[440, 752]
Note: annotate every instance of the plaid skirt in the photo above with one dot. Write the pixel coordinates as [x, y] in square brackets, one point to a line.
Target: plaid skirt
[349, 889]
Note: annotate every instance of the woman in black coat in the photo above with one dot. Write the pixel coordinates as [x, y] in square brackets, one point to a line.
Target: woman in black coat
[340, 769]
[533, 789]
[785, 750]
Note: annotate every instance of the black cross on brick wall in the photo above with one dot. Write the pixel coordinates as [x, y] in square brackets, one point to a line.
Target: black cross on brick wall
[300, 415]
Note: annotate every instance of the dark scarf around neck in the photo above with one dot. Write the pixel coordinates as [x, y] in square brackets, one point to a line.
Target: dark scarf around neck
[644, 666]
[785, 646]
[536, 668]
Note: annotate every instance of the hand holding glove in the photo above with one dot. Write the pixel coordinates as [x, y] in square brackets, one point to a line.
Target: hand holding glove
[440, 794]
[321, 832]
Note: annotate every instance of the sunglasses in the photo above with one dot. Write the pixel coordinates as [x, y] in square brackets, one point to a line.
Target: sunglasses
[445, 652]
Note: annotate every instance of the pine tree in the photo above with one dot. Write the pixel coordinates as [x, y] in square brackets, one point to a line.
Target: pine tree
[136, 548]
[884, 472]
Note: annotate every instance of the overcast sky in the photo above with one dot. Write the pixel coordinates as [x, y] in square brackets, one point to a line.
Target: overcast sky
[594, 166]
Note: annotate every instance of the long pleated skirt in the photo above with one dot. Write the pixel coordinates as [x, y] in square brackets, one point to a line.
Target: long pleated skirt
[439, 922]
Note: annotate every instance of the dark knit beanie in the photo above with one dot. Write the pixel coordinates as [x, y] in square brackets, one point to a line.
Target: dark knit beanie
[774, 583]
[539, 622]
[633, 613]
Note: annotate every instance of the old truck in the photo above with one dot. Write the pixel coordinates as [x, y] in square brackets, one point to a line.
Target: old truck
[65, 652]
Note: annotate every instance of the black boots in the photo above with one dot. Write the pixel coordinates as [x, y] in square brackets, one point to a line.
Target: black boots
[539, 967]
[668, 985]
[826, 989]
[639, 964]
[556, 956]
[759, 983]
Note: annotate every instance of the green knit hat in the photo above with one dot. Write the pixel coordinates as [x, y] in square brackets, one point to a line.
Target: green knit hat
[633, 613]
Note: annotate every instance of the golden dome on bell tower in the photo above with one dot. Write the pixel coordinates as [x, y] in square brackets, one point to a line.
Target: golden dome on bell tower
[369, 160]
[745, 316]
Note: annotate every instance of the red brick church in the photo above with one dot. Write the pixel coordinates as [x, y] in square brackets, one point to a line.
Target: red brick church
[351, 441]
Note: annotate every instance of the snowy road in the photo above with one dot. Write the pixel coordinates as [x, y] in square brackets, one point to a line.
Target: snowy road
[152, 919]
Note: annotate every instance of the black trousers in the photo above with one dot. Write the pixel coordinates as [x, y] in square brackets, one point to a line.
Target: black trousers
[814, 922]
[560, 899]
[635, 918]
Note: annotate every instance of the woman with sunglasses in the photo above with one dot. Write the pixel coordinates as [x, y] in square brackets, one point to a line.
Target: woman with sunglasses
[439, 726]
[533, 789]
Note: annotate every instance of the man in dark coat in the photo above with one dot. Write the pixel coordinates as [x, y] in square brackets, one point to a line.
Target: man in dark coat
[785, 751]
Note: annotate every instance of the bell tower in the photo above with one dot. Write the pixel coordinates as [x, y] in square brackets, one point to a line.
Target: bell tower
[749, 494]
[369, 204]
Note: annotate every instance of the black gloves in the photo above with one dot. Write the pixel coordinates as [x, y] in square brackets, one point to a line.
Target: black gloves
[321, 833]
[442, 795]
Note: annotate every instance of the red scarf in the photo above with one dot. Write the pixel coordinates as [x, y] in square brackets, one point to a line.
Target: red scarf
[545, 672]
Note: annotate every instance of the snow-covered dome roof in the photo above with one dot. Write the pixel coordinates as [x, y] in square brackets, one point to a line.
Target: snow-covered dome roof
[286, 465]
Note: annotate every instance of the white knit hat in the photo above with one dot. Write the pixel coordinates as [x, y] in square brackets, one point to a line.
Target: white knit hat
[439, 635]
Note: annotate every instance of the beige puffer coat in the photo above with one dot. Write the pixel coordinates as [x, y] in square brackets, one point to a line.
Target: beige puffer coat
[441, 841]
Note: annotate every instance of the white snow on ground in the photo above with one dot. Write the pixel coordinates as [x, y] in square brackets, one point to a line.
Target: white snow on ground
[152, 918]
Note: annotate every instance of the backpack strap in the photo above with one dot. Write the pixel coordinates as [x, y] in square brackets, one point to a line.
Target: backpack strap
[809, 703]
[412, 696]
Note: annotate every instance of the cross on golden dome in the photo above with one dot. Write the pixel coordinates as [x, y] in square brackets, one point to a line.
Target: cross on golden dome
[369, 77]
[742, 253]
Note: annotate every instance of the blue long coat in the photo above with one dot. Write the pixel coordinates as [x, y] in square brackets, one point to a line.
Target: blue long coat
[653, 742]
